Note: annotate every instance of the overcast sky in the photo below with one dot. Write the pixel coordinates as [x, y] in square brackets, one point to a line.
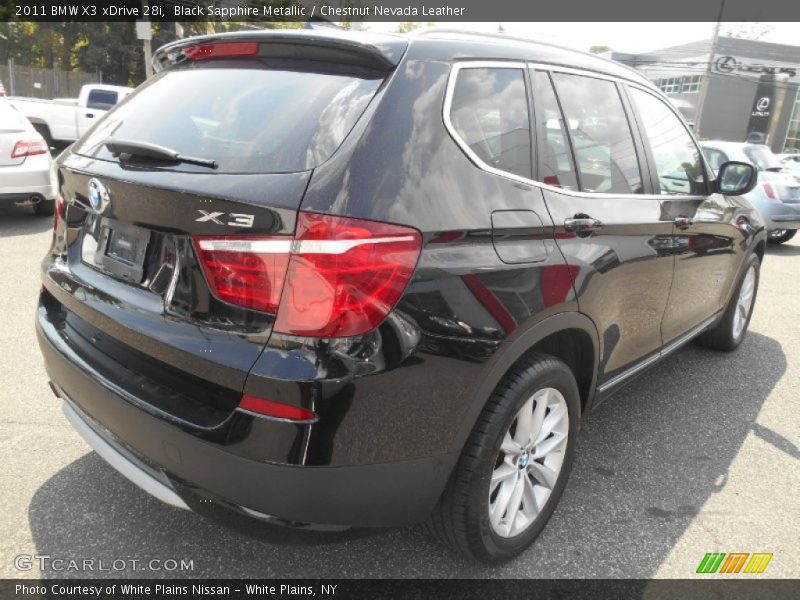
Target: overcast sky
[623, 37]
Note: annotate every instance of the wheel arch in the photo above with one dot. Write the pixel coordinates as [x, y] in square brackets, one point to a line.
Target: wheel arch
[571, 337]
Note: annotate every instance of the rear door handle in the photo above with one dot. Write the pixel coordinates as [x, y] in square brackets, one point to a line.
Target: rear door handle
[581, 224]
[90, 115]
[683, 222]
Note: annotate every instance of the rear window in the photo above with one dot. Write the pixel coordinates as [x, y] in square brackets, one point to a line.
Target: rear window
[762, 158]
[11, 119]
[249, 119]
[101, 99]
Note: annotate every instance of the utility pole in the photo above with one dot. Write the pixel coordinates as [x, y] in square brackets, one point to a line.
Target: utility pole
[144, 32]
[712, 54]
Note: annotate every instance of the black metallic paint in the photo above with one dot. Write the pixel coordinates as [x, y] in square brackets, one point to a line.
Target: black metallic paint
[498, 274]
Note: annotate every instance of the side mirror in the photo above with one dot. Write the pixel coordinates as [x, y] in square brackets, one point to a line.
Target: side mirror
[736, 178]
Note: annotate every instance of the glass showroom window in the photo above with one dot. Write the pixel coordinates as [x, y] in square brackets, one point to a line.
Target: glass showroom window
[793, 136]
[692, 83]
[670, 86]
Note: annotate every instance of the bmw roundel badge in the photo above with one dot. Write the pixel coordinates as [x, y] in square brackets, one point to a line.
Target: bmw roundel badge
[98, 196]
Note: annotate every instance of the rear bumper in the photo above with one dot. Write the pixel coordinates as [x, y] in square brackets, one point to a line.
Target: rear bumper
[31, 178]
[153, 482]
[780, 215]
[178, 466]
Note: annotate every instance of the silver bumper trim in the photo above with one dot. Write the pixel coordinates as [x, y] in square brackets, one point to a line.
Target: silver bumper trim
[114, 458]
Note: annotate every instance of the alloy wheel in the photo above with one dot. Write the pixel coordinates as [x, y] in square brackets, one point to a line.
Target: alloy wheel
[744, 303]
[528, 463]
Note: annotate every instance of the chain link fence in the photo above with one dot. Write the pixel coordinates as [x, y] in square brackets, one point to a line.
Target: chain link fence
[37, 82]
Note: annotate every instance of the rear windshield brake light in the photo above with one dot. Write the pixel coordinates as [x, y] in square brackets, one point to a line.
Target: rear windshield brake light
[220, 50]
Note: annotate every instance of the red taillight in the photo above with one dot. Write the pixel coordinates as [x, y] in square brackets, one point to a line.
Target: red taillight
[28, 148]
[769, 191]
[344, 275]
[245, 270]
[221, 50]
[338, 277]
[277, 410]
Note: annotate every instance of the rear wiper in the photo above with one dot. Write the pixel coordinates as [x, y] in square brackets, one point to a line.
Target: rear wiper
[153, 151]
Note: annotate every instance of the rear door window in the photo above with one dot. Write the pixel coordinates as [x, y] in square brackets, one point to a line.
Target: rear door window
[555, 165]
[600, 133]
[247, 116]
[489, 113]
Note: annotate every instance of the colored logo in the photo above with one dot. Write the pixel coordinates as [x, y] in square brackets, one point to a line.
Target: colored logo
[734, 562]
[98, 196]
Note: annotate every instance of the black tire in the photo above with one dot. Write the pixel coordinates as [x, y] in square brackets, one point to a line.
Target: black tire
[722, 336]
[44, 208]
[781, 236]
[461, 519]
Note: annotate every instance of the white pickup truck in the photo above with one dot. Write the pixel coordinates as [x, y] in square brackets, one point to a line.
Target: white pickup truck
[66, 119]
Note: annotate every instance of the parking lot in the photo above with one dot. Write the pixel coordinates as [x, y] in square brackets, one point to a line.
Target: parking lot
[702, 454]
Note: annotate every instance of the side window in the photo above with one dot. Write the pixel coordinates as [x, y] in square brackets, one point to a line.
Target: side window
[554, 156]
[489, 112]
[101, 99]
[715, 158]
[678, 164]
[601, 135]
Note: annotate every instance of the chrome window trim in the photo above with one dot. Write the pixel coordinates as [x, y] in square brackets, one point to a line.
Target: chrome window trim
[516, 64]
[682, 121]
[448, 103]
[658, 355]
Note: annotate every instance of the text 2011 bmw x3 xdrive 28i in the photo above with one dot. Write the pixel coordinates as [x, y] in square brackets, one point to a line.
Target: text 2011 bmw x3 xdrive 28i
[327, 279]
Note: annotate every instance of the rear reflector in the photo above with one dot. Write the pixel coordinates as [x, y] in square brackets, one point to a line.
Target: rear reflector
[222, 50]
[60, 211]
[338, 277]
[28, 148]
[276, 410]
[769, 191]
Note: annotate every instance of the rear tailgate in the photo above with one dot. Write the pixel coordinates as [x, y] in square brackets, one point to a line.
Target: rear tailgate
[128, 289]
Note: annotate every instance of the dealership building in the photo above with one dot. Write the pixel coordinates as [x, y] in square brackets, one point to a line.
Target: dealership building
[752, 88]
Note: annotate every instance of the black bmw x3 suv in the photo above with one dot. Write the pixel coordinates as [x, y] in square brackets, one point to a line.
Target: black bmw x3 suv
[345, 280]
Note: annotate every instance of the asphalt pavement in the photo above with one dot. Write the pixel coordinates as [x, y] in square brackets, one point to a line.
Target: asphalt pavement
[701, 454]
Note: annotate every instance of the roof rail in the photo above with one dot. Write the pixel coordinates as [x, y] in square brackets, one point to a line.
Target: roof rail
[513, 38]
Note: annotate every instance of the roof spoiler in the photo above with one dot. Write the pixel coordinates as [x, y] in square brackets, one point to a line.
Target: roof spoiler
[382, 52]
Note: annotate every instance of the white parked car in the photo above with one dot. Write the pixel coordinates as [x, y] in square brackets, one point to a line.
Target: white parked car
[66, 119]
[26, 176]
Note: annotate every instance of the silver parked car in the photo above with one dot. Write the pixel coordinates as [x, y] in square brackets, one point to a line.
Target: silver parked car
[791, 162]
[26, 175]
[777, 194]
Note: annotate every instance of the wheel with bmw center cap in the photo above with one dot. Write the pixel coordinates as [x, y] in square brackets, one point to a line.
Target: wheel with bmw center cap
[515, 464]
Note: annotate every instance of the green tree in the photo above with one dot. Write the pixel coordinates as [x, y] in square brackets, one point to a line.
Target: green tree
[409, 26]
